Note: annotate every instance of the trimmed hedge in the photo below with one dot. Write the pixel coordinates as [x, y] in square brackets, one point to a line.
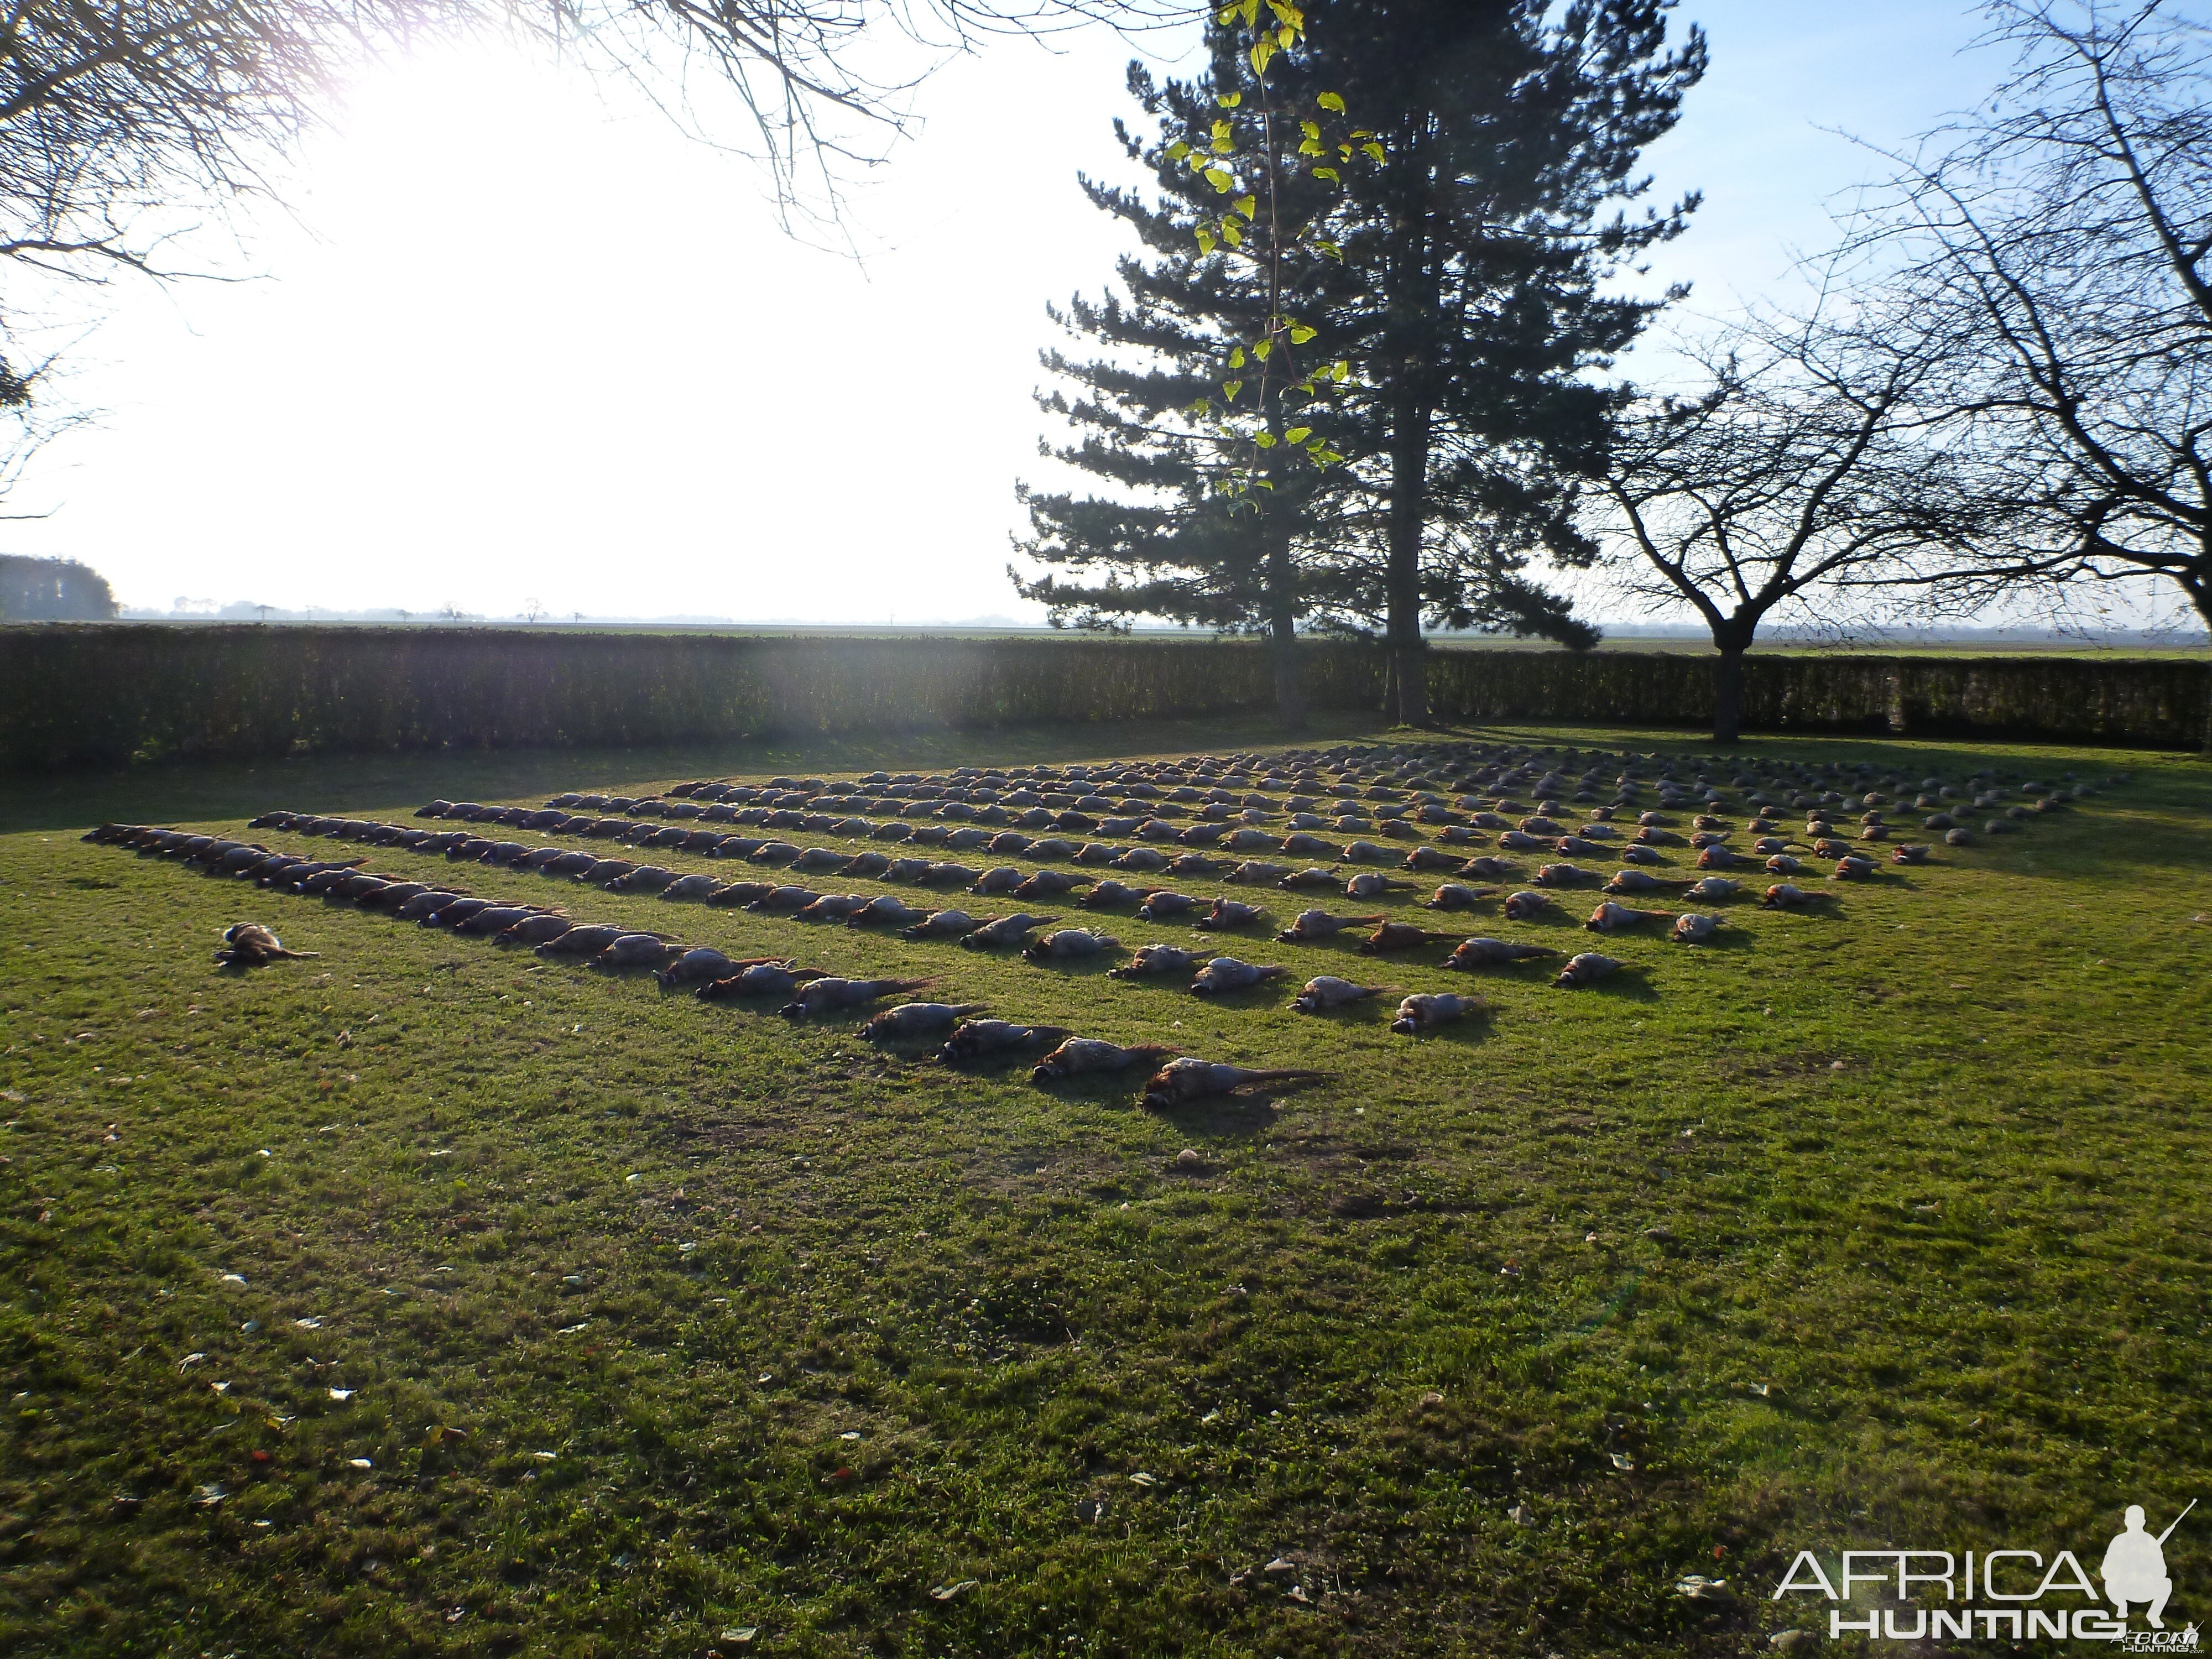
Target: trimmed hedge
[107, 695]
[2152, 703]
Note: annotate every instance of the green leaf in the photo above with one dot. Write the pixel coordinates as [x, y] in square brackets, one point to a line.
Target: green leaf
[1375, 150]
[1251, 10]
[1287, 36]
[1340, 371]
[1204, 239]
[1311, 147]
[1227, 101]
[1224, 138]
[1265, 439]
[1311, 129]
[1230, 388]
[1300, 334]
[1264, 50]
[1231, 234]
[1248, 206]
[1237, 358]
[1329, 173]
[1178, 150]
[1323, 245]
[1262, 350]
[1331, 101]
[1297, 435]
[1262, 483]
[1221, 179]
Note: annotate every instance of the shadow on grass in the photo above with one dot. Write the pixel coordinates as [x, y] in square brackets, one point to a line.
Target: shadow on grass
[1627, 985]
[1222, 1117]
[1730, 937]
[1075, 967]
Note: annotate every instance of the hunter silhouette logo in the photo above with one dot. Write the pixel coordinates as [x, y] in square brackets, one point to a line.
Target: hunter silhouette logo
[2002, 1595]
[2134, 1567]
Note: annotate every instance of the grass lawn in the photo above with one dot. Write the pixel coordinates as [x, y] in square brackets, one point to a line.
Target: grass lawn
[511, 1308]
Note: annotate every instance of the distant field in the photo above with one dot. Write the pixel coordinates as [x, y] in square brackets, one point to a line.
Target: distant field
[1864, 649]
[1613, 642]
[657, 1321]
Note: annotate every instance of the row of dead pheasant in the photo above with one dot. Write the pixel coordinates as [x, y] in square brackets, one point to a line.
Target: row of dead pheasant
[554, 935]
[715, 976]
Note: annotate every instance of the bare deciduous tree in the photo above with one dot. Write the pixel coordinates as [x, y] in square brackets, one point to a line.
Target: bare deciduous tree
[113, 117]
[1802, 472]
[105, 112]
[2055, 257]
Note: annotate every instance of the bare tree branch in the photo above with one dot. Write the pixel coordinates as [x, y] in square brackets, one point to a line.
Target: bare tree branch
[2050, 253]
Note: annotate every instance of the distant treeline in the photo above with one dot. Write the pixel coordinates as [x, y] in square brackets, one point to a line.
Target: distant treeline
[110, 694]
[53, 590]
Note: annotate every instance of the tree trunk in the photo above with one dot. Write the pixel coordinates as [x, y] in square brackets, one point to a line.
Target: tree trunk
[1727, 695]
[1282, 633]
[1412, 301]
[1409, 478]
[2200, 595]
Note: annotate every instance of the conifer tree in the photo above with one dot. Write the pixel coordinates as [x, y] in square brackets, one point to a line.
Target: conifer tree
[1515, 129]
[1201, 416]
[1469, 298]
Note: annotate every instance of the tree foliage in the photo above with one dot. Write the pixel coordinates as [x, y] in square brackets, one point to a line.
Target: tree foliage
[1515, 129]
[1462, 277]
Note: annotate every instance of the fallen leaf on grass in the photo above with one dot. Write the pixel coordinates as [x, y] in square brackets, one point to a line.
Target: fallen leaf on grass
[947, 1592]
[344, 1394]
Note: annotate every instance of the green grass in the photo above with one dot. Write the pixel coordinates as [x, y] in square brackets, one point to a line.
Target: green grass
[1934, 1170]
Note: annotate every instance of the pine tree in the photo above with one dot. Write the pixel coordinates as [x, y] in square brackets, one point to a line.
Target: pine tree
[1468, 293]
[1237, 526]
[1202, 527]
[1485, 255]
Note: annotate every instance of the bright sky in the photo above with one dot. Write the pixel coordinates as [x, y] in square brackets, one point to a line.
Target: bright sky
[522, 340]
